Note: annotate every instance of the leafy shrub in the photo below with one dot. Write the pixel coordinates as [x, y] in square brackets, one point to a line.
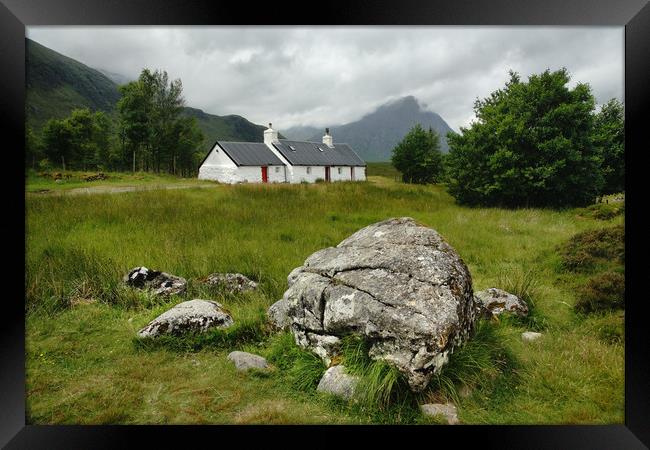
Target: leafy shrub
[585, 250]
[602, 293]
[604, 211]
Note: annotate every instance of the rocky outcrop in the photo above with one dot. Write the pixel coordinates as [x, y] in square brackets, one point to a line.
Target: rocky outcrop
[232, 283]
[446, 410]
[397, 284]
[160, 283]
[244, 361]
[194, 316]
[494, 302]
[337, 382]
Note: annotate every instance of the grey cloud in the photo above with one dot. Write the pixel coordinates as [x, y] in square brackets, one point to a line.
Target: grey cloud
[331, 75]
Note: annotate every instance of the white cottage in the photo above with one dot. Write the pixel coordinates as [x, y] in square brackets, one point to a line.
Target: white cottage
[282, 161]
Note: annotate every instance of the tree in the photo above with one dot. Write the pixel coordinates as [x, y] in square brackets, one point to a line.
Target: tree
[57, 141]
[33, 148]
[530, 145]
[609, 140]
[151, 128]
[418, 156]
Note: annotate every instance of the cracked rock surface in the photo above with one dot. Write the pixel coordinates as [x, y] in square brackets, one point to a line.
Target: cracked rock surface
[192, 316]
[397, 284]
[160, 283]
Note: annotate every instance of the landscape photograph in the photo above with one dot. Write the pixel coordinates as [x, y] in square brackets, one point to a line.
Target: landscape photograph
[336, 225]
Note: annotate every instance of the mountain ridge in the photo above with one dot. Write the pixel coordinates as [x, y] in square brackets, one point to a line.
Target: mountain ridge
[375, 134]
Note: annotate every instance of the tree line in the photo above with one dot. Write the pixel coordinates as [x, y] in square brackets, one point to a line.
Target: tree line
[147, 132]
[536, 143]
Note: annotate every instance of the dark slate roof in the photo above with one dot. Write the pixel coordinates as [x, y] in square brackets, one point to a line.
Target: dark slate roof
[250, 154]
[309, 154]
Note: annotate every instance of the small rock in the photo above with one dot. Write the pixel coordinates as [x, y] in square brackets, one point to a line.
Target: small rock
[529, 336]
[335, 381]
[191, 316]
[231, 282]
[160, 283]
[495, 301]
[244, 361]
[447, 410]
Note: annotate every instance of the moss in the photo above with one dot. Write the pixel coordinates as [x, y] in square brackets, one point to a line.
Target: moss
[586, 250]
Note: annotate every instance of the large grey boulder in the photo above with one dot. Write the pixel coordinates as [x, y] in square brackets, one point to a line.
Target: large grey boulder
[244, 361]
[231, 282]
[337, 382]
[496, 301]
[160, 283]
[194, 316]
[397, 284]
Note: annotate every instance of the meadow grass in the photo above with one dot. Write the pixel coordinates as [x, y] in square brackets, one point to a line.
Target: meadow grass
[85, 366]
[37, 182]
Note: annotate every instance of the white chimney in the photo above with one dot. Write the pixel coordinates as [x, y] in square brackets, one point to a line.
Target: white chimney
[328, 139]
[270, 135]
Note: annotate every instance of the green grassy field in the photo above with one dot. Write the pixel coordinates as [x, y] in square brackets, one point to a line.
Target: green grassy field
[84, 365]
[43, 182]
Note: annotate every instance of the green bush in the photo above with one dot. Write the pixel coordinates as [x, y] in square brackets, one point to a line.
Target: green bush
[604, 292]
[587, 249]
[604, 211]
[531, 145]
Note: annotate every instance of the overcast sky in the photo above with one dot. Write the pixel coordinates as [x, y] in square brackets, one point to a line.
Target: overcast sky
[325, 76]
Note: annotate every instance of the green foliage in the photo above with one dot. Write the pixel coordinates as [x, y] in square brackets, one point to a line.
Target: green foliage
[584, 251]
[301, 368]
[80, 141]
[153, 133]
[418, 156]
[604, 211]
[531, 145]
[381, 384]
[603, 292]
[481, 359]
[609, 140]
[525, 285]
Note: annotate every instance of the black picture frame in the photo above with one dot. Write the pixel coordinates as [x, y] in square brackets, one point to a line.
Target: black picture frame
[15, 15]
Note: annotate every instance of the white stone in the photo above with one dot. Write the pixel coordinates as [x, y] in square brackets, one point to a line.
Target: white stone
[337, 382]
[447, 410]
[192, 316]
[244, 361]
[529, 336]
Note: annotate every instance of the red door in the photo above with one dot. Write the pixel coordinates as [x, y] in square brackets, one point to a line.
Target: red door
[327, 174]
[265, 174]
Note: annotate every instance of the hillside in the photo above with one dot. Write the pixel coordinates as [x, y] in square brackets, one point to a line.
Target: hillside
[57, 84]
[374, 135]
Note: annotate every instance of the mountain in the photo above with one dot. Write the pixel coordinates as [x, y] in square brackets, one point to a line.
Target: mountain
[375, 135]
[117, 78]
[301, 133]
[57, 84]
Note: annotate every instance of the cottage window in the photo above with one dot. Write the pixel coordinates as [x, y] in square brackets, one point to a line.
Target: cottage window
[277, 170]
[308, 169]
[340, 170]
